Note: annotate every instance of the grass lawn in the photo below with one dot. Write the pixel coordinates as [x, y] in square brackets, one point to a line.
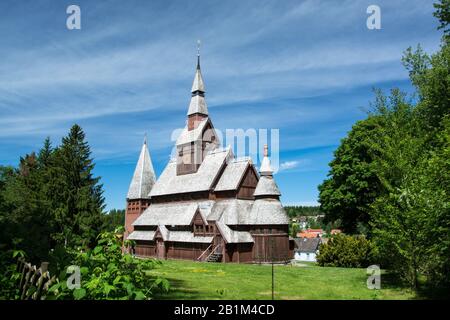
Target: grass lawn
[202, 280]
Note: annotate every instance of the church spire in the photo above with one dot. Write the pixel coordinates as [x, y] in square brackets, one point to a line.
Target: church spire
[144, 176]
[198, 103]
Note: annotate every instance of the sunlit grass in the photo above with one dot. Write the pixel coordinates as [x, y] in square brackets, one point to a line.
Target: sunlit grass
[200, 280]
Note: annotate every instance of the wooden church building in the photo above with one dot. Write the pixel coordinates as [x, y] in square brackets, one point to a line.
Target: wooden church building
[207, 205]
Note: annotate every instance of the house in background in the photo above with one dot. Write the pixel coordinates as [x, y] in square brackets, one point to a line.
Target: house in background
[310, 233]
[306, 249]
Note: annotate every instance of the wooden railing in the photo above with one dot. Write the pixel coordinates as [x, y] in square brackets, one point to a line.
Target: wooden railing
[34, 282]
[204, 252]
[216, 250]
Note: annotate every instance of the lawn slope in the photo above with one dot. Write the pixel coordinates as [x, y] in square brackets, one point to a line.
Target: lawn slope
[200, 280]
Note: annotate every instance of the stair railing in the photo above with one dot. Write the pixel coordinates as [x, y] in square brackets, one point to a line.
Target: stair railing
[203, 253]
[216, 250]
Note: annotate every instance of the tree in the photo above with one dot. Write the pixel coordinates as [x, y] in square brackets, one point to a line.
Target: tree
[27, 216]
[407, 159]
[347, 251]
[79, 202]
[442, 13]
[352, 184]
[114, 219]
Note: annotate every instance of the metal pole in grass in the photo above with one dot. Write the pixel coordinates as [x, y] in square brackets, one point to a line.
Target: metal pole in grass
[273, 274]
[273, 278]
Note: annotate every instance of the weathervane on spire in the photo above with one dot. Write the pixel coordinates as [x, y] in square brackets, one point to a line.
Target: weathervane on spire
[145, 138]
[198, 54]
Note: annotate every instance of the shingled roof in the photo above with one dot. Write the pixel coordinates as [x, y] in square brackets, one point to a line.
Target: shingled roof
[174, 236]
[233, 174]
[266, 187]
[307, 245]
[172, 213]
[202, 180]
[143, 177]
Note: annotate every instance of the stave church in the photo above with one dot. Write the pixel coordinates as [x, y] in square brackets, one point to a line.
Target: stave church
[207, 204]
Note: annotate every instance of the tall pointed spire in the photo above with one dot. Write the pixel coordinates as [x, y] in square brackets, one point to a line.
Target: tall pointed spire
[198, 103]
[144, 176]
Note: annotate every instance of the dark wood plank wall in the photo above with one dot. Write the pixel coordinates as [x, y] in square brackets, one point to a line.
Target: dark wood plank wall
[174, 250]
[248, 184]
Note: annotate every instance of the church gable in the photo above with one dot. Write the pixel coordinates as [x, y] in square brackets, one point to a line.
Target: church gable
[194, 144]
[248, 184]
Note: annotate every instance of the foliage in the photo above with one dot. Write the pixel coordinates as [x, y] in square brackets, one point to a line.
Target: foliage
[115, 218]
[352, 185]
[347, 251]
[412, 222]
[296, 211]
[9, 277]
[390, 177]
[25, 214]
[51, 199]
[107, 273]
[78, 204]
[443, 15]
[293, 229]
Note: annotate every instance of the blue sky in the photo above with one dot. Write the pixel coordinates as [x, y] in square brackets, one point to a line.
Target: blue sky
[306, 68]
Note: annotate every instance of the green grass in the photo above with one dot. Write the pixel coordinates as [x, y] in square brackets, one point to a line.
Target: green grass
[201, 280]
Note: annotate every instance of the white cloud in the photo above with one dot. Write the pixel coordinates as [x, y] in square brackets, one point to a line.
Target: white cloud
[289, 165]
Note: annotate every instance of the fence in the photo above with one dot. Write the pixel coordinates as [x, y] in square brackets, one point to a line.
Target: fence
[34, 282]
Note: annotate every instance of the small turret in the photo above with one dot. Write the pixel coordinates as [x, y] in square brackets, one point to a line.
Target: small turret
[266, 187]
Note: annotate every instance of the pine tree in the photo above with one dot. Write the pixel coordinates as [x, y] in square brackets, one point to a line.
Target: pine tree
[79, 196]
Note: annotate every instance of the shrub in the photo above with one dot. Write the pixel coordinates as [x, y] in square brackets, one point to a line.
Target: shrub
[9, 286]
[107, 273]
[346, 251]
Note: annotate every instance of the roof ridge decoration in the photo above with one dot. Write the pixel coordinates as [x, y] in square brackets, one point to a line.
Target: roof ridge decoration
[265, 169]
[144, 175]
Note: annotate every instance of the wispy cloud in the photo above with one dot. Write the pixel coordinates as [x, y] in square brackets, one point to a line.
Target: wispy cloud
[303, 67]
[289, 165]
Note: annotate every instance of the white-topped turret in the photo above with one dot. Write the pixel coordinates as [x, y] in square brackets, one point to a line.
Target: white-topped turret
[266, 187]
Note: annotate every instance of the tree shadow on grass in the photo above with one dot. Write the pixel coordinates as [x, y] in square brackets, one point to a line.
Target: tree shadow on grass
[393, 281]
[432, 293]
[178, 290]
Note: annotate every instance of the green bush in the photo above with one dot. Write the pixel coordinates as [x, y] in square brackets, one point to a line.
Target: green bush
[347, 251]
[9, 277]
[107, 273]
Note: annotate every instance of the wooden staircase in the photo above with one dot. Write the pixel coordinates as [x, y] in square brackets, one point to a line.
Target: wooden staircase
[215, 254]
[214, 257]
